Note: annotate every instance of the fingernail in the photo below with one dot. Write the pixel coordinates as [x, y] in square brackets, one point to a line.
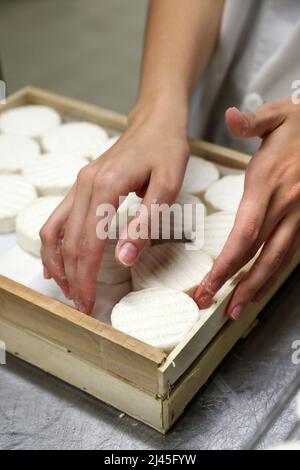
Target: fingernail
[236, 312]
[204, 301]
[128, 253]
[46, 273]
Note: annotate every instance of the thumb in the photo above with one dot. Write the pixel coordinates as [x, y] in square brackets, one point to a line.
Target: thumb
[136, 235]
[258, 124]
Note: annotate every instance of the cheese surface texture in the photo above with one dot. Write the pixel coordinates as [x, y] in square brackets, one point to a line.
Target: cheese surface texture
[17, 151]
[31, 219]
[217, 228]
[199, 175]
[29, 120]
[170, 265]
[183, 220]
[54, 173]
[15, 194]
[83, 139]
[225, 194]
[160, 317]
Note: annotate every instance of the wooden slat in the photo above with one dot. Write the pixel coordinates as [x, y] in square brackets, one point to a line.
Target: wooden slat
[219, 154]
[88, 377]
[17, 99]
[87, 338]
[196, 376]
[77, 109]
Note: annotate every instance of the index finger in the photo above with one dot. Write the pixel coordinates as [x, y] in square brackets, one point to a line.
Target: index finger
[241, 245]
[91, 245]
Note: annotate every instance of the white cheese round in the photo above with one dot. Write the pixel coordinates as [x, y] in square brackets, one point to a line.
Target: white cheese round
[199, 175]
[217, 228]
[15, 194]
[225, 194]
[31, 219]
[29, 120]
[170, 265]
[160, 317]
[83, 139]
[17, 151]
[53, 174]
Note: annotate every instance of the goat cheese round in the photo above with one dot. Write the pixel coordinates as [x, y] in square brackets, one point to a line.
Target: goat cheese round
[225, 194]
[217, 228]
[15, 194]
[53, 174]
[29, 120]
[199, 175]
[31, 219]
[83, 139]
[16, 151]
[158, 316]
[170, 265]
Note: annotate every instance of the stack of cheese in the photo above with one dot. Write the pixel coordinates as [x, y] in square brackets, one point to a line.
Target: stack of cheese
[112, 272]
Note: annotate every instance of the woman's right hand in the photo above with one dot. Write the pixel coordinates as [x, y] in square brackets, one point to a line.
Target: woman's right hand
[150, 158]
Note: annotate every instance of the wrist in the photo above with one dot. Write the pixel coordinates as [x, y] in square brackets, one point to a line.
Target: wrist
[164, 110]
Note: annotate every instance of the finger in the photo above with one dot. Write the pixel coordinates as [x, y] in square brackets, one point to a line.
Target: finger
[268, 262]
[260, 294]
[134, 238]
[73, 228]
[243, 242]
[106, 191]
[258, 124]
[50, 235]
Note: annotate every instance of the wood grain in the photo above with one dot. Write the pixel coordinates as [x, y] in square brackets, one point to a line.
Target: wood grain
[86, 337]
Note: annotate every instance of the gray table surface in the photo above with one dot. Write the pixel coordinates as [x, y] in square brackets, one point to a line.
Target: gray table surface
[38, 411]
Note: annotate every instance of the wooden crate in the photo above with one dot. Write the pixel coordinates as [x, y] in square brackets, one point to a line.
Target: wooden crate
[124, 372]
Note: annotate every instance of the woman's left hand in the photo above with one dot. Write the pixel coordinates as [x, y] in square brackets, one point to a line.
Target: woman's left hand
[269, 212]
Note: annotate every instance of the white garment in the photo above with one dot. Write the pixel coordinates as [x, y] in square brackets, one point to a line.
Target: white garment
[256, 61]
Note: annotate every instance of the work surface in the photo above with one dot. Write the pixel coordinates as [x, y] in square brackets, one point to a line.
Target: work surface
[38, 411]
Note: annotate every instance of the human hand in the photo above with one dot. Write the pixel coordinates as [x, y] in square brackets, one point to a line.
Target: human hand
[150, 159]
[269, 212]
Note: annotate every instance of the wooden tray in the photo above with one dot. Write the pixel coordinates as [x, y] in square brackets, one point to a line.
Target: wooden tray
[126, 373]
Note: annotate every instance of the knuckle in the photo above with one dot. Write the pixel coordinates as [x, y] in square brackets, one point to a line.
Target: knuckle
[293, 195]
[47, 235]
[248, 232]
[274, 259]
[169, 185]
[105, 180]
[85, 175]
[84, 249]
[68, 250]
